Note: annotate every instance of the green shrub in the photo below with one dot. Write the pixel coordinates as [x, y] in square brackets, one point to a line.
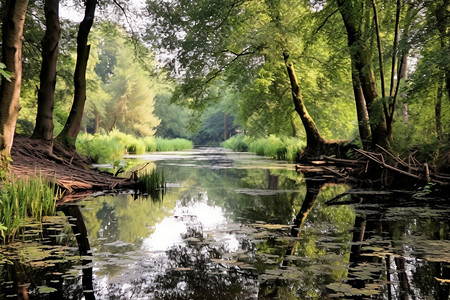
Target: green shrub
[236, 143]
[102, 148]
[281, 148]
[112, 147]
[150, 144]
[172, 144]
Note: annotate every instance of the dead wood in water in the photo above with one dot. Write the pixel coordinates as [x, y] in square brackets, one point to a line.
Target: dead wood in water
[375, 168]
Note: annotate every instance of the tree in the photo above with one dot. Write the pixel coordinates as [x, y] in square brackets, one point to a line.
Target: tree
[242, 44]
[353, 17]
[46, 93]
[12, 30]
[118, 83]
[72, 127]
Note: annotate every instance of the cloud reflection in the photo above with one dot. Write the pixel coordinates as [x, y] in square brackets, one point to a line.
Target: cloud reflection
[193, 214]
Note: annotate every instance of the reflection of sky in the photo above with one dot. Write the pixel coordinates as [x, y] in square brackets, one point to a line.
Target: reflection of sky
[195, 215]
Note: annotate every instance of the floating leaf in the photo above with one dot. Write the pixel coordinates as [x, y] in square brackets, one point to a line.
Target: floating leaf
[46, 289]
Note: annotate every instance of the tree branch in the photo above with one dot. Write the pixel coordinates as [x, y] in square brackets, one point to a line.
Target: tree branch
[237, 55]
[233, 5]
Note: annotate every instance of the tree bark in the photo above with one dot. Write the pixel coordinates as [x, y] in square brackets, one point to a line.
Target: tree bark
[314, 141]
[438, 108]
[361, 110]
[12, 30]
[360, 57]
[46, 92]
[72, 127]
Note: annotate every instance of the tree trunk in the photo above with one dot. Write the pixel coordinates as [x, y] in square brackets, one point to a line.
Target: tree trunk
[360, 57]
[314, 141]
[72, 127]
[46, 92]
[97, 122]
[293, 125]
[361, 110]
[12, 29]
[438, 107]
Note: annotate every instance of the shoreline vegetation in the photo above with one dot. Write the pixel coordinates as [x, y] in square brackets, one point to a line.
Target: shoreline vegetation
[280, 148]
[38, 180]
[109, 148]
[23, 200]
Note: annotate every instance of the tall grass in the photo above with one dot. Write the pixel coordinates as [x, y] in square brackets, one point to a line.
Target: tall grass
[113, 146]
[153, 183]
[281, 148]
[172, 144]
[25, 198]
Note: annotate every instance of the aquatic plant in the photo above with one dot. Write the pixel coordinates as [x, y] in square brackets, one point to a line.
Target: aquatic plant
[25, 198]
[152, 182]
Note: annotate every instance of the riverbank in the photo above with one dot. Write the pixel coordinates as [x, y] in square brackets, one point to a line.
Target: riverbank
[70, 170]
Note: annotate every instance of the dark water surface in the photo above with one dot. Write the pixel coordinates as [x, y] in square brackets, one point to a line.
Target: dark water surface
[235, 226]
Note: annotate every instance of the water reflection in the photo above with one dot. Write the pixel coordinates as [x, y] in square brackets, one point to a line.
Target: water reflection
[233, 227]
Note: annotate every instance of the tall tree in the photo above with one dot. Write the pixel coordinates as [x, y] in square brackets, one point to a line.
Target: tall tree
[353, 17]
[72, 127]
[14, 13]
[46, 92]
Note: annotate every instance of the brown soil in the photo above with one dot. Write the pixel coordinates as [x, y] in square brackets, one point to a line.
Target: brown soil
[70, 170]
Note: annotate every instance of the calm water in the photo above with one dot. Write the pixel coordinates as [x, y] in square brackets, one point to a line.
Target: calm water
[235, 226]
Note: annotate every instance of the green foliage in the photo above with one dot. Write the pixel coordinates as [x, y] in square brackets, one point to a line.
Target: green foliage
[21, 199]
[174, 118]
[118, 81]
[173, 144]
[281, 148]
[150, 144]
[233, 52]
[102, 148]
[237, 142]
[112, 147]
[3, 73]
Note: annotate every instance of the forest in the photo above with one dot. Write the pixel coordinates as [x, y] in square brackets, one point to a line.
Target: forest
[322, 72]
[226, 149]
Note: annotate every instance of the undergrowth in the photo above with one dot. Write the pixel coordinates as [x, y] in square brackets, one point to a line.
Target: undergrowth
[112, 147]
[281, 148]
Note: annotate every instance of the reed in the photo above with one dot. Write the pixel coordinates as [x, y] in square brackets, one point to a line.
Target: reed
[172, 144]
[281, 148]
[153, 183]
[21, 199]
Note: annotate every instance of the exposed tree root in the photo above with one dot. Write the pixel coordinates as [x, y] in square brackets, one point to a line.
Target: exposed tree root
[69, 169]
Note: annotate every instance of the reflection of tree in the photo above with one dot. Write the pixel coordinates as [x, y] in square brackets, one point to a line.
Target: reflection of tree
[304, 281]
[379, 251]
[80, 232]
[38, 263]
[192, 275]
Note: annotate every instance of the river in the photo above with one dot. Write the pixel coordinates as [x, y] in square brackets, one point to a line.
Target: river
[235, 226]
